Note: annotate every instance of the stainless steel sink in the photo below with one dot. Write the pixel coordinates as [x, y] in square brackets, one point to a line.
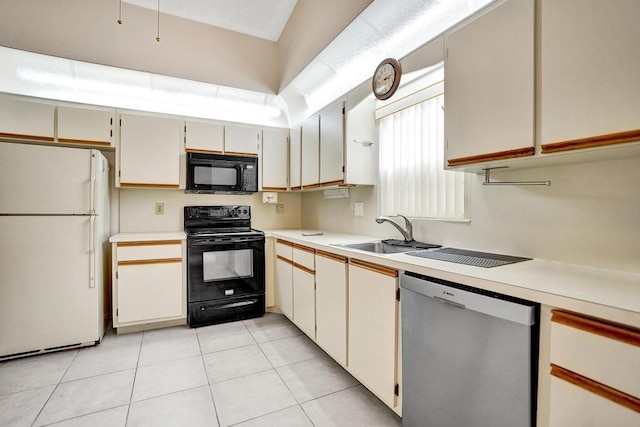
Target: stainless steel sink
[378, 247]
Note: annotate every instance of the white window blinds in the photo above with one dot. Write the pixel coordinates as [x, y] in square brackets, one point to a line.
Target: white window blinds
[413, 181]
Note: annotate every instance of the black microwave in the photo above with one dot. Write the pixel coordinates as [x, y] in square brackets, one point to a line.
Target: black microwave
[221, 173]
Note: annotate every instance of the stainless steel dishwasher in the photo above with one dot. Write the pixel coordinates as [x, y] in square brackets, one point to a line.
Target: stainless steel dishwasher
[469, 356]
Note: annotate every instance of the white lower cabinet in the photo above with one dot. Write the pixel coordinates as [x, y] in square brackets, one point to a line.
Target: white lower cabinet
[350, 308]
[304, 292]
[284, 277]
[331, 305]
[572, 405]
[148, 282]
[373, 329]
[304, 300]
[595, 372]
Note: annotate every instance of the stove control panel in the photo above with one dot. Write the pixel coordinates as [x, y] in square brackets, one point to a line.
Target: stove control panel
[217, 212]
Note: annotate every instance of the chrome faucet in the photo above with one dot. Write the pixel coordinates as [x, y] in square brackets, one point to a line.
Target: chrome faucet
[407, 232]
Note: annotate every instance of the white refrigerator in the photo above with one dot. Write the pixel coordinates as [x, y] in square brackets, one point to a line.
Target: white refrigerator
[54, 230]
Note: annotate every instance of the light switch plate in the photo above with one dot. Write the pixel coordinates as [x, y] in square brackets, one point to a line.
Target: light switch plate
[269, 197]
[359, 209]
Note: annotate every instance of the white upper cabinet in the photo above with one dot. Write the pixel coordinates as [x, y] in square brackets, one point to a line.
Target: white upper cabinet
[242, 140]
[86, 125]
[275, 159]
[332, 144]
[310, 165]
[149, 151]
[590, 60]
[489, 85]
[204, 136]
[26, 119]
[361, 147]
[295, 157]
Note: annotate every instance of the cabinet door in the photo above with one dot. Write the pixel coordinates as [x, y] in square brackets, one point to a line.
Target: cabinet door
[361, 160]
[304, 300]
[295, 157]
[85, 125]
[149, 291]
[331, 305]
[590, 66]
[332, 144]
[149, 151]
[242, 140]
[311, 152]
[489, 85]
[203, 136]
[24, 119]
[284, 286]
[373, 328]
[275, 159]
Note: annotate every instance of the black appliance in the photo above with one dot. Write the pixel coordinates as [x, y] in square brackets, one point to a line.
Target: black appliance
[225, 265]
[221, 173]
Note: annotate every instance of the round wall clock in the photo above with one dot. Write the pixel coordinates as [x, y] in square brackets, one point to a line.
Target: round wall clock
[386, 79]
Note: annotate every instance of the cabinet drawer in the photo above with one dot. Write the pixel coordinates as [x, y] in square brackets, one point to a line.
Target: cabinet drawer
[574, 406]
[284, 249]
[139, 251]
[304, 256]
[604, 352]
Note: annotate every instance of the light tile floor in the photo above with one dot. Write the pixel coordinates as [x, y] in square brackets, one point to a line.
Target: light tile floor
[258, 372]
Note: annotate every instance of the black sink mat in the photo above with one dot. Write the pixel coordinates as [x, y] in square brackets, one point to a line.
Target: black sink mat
[414, 244]
[462, 256]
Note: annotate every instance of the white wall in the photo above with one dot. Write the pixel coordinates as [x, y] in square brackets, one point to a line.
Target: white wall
[590, 215]
[88, 31]
[137, 209]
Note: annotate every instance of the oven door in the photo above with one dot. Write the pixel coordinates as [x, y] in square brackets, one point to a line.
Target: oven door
[220, 268]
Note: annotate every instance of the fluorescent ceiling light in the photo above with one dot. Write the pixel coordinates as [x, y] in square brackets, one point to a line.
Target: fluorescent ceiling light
[68, 80]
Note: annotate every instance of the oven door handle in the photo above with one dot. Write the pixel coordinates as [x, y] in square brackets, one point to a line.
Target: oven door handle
[209, 242]
[232, 305]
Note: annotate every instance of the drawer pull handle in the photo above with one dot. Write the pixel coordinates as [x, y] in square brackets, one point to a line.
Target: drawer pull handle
[600, 389]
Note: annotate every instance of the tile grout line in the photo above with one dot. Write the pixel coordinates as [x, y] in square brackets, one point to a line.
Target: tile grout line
[264, 415]
[287, 386]
[204, 365]
[56, 387]
[133, 385]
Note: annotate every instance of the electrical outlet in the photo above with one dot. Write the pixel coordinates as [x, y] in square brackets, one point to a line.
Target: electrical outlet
[159, 208]
[359, 209]
[279, 208]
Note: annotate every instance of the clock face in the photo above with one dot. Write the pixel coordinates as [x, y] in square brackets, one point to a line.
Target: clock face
[386, 78]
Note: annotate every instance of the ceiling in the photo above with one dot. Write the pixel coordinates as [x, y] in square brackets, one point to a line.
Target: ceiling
[200, 70]
[259, 18]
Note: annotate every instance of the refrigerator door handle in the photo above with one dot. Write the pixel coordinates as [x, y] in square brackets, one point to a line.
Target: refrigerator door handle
[92, 252]
[92, 185]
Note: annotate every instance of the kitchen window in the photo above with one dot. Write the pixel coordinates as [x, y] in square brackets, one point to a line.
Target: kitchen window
[413, 181]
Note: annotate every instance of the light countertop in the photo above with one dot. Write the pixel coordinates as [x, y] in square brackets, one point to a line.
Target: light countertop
[599, 292]
[148, 236]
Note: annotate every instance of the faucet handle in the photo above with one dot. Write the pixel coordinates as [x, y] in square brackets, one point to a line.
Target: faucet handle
[407, 223]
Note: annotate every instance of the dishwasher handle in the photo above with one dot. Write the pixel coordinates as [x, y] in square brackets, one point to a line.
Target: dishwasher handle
[453, 303]
[474, 299]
